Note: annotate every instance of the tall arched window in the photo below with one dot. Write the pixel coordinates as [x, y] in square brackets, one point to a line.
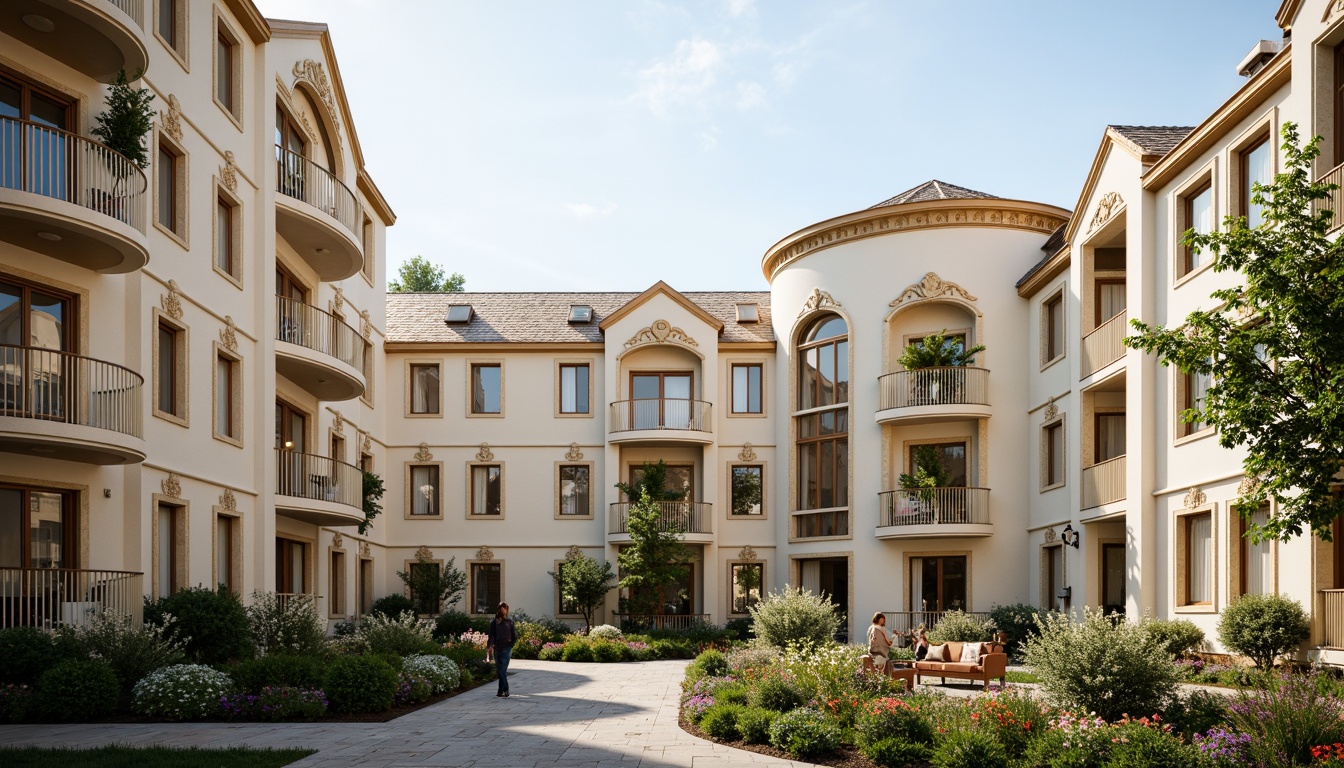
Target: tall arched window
[822, 416]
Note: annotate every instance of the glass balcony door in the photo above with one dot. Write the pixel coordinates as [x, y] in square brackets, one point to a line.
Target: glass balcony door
[662, 400]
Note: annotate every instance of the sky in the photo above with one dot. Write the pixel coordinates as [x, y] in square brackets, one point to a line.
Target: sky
[561, 145]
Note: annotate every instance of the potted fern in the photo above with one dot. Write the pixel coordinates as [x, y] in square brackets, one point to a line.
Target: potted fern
[932, 352]
[126, 119]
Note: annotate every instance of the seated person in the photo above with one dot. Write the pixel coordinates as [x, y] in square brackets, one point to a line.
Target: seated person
[921, 640]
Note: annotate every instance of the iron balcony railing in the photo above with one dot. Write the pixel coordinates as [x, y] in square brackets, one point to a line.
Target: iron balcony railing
[660, 413]
[48, 598]
[1335, 200]
[302, 179]
[906, 621]
[1104, 482]
[1104, 345]
[51, 385]
[640, 622]
[933, 506]
[66, 166]
[678, 516]
[318, 330]
[950, 385]
[318, 478]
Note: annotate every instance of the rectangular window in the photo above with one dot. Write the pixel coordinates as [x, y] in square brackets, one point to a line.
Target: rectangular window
[1199, 217]
[1113, 577]
[575, 498]
[364, 585]
[166, 190]
[487, 490]
[1053, 317]
[1054, 576]
[1110, 437]
[226, 411]
[952, 456]
[291, 567]
[486, 587]
[747, 388]
[1195, 388]
[748, 489]
[224, 551]
[424, 490]
[425, 388]
[938, 583]
[573, 389]
[168, 555]
[747, 580]
[485, 388]
[1053, 437]
[1198, 559]
[167, 26]
[820, 524]
[1110, 299]
[336, 588]
[1257, 167]
[166, 388]
[1257, 558]
[226, 260]
[37, 528]
[225, 53]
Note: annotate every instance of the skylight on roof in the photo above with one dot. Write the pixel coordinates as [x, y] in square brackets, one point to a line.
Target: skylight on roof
[580, 313]
[458, 313]
[748, 313]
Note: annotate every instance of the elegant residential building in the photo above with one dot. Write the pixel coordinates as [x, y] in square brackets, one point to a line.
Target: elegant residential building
[502, 422]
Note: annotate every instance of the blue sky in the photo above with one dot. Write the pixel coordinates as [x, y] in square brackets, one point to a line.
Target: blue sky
[567, 145]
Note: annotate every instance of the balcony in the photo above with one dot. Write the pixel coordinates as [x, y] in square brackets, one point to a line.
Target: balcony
[96, 37]
[1335, 199]
[905, 621]
[71, 198]
[318, 489]
[695, 519]
[925, 395]
[915, 513]
[645, 622]
[1104, 482]
[48, 598]
[59, 405]
[318, 351]
[661, 420]
[1104, 345]
[1328, 622]
[318, 216]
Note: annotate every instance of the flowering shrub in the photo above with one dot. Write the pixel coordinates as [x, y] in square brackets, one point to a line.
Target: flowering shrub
[970, 749]
[472, 637]
[1222, 748]
[275, 703]
[290, 625]
[402, 636]
[794, 616]
[891, 718]
[804, 733]
[181, 692]
[410, 690]
[822, 671]
[1012, 717]
[875, 684]
[1145, 743]
[16, 702]
[440, 672]
[776, 693]
[961, 627]
[695, 706]
[710, 663]
[1285, 718]
[552, 652]
[605, 631]
[1328, 754]
[132, 649]
[752, 658]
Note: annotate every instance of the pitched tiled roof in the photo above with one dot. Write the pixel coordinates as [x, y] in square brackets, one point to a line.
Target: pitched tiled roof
[1053, 245]
[1154, 139]
[544, 317]
[934, 190]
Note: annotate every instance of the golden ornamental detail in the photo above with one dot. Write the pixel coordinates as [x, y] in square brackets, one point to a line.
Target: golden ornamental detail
[337, 541]
[485, 454]
[1194, 498]
[485, 553]
[1050, 536]
[747, 453]
[338, 424]
[313, 73]
[573, 454]
[228, 172]
[573, 553]
[172, 302]
[364, 549]
[423, 454]
[661, 332]
[747, 553]
[366, 325]
[932, 287]
[367, 446]
[1248, 485]
[170, 122]
[818, 300]
[1051, 410]
[338, 299]
[229, 334]
[171, 486]
[1109, 205]
[228, 501]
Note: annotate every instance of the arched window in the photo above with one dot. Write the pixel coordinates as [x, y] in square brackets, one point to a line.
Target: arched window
[822, 428]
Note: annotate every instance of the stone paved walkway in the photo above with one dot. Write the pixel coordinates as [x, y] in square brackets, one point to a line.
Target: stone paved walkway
[616, 715]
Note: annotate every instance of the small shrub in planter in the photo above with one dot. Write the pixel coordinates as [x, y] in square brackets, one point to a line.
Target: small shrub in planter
[961, 627]
[970, 749]
[392, 606]
[285, 671]
[211, 624]
[776, 694]
[1178, 637]
[77, 691]
[1263, 627]
[710, 664]
[275, 703]
[577, 649]
[605, 631]
[753, 725]
[894, 753]
[804, 733]
[402, 635]
[360, 684]
[411, 690]
[441, 672]
[794, 616]
[720, 721]
[27, 653]
[552, 652]
[892, 718]
[181, 692]
[16, 702]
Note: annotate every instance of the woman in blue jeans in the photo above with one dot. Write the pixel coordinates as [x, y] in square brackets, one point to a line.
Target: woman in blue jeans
[499, 640]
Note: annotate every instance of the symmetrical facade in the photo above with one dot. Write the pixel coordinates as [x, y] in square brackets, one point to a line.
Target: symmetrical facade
[173, 417]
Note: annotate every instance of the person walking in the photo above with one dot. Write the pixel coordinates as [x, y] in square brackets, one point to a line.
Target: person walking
[499, 641]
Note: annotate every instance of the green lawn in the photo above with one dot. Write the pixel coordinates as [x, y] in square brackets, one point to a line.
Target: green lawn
[150, 757]
[1015, 676]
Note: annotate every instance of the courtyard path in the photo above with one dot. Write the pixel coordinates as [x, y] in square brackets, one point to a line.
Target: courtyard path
[616, 715]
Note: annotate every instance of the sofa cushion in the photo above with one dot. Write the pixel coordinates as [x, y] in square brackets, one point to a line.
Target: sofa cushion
[970, 653]
[937, 653]
[961, 666]
[954, 651]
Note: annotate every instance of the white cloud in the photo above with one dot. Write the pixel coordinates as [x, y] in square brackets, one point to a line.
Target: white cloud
[682, 80]
[750, 95]
[590, 211]
[708, 139]
[740, 8]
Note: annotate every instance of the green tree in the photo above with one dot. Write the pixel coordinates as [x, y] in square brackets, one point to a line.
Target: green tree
[655, 557]
[746, 491]
[584, 584]
[938, 351]
[126, 119]
[1271, 346]
[418, 275]
[373, 491]
[653, 479]
[433, 585]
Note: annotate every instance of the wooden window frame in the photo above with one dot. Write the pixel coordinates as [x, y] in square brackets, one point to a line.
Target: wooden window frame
[1202, 181]
[1244, 188]
[180, 556]
[732, 470]
[364, 586]
[227, 199]
[1097, 283]
[471, 585]
[560, 367]
[409, 393]
[560, 467]
[560, 611]
[409, 494]
[940, 557]
[472, 367]
[180, 412]
[233, 44]
[179, 47]
[337, 580]
[733, 565]
[760, 393]
[1047, 339]
[1047, 453]
[282, 564]
[1183, 520]
[1097, 417]
[1049, 577]
[1186, 431]
[232, 390]
[179, 195]
[234, 548]
[472, 466]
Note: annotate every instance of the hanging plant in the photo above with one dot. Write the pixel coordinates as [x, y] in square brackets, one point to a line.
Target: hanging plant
[126, 119]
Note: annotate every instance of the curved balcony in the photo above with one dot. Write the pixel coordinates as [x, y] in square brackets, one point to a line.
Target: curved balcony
[59, 405]
[917, 513]
[96, 37]
[922, 395]
[693, 519]
[661, 420]
[318, 489]
[318, 216]
[318, 351]
[71, 198]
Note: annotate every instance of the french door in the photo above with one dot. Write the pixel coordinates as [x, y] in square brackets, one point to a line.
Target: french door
[662, 400]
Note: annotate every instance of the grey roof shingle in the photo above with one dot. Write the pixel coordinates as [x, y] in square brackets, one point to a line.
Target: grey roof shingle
[544, 317]
[934, 189]
[1154, 139]
[1053, 245]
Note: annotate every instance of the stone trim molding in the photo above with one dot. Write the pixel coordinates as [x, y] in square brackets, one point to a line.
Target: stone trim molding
[315, 75]
[1107, 207]
[817, 301]
[932, 287]
[661, 332]
[747, 453]
[170, 122]
[423, 454]
[172, 302]
[574, 454]
[228, 172]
